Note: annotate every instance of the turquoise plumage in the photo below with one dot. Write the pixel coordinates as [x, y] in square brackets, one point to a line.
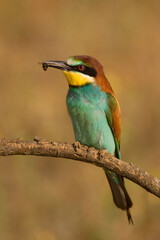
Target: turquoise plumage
[95, 114]
[87, 107]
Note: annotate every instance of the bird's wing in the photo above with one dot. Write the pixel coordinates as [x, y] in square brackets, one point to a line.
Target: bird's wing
[120, 194]
[114, 119]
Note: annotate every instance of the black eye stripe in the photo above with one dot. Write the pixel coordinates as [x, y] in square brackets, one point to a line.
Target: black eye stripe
[87, 70]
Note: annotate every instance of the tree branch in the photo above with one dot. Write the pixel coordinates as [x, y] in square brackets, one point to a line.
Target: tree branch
[76, 151]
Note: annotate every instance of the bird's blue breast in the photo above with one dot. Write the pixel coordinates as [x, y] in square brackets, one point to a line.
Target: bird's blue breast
[87, 107]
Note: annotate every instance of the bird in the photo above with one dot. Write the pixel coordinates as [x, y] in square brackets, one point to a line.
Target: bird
[95, 114]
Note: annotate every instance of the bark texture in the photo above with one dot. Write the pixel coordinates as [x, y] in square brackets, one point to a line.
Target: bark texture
[76, 151]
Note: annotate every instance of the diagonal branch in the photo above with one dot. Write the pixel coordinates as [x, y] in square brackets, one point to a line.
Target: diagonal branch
[76, 151]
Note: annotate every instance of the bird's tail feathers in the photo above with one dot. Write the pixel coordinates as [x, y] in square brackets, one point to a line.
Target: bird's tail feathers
[120, 195]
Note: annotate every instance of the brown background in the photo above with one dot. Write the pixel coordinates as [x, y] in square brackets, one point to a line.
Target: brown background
[49, 199]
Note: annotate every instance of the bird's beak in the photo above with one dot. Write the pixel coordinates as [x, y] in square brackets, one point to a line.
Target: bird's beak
[56, 64]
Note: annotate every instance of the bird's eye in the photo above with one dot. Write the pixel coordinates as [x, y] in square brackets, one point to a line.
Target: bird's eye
[81, 67]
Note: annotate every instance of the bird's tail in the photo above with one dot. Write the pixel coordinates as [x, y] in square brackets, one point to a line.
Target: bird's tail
[120, 195]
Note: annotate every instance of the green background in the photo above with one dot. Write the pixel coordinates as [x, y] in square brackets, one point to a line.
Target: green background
[49, 199]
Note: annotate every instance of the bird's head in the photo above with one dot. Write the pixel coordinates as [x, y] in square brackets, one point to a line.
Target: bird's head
[79, 70]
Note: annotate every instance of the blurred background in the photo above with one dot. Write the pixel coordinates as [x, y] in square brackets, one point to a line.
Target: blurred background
[52, 199]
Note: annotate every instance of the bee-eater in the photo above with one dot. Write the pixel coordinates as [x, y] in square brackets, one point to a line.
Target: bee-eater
[95, 114]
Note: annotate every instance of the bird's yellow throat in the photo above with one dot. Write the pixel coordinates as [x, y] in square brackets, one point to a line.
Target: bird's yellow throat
[78, 79]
